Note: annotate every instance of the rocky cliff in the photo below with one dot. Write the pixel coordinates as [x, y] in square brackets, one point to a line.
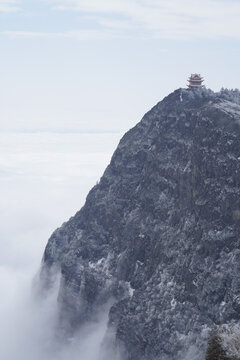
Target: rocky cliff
[159, 235]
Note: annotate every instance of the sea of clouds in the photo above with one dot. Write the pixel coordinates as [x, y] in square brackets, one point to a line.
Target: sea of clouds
[44, 179]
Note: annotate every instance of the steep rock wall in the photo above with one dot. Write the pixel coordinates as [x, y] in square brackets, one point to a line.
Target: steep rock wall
[159, 235]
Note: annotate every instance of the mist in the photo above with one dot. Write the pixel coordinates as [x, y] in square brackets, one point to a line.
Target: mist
[44, 180]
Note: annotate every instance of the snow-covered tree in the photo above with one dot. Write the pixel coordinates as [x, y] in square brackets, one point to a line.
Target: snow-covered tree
[224, 343]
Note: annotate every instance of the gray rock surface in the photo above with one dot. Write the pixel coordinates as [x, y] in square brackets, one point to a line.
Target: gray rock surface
[159, 234]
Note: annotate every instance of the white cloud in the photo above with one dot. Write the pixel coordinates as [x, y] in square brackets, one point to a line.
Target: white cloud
[9, 6]
[163, 18]
[44, 179]
[77, 35]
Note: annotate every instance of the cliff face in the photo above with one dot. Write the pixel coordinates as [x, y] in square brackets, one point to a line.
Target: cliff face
[159, 234]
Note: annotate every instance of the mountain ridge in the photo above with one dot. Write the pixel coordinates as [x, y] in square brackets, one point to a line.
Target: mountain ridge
[159, 233]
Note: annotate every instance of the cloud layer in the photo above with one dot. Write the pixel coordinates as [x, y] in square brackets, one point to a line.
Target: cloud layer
[77, 35]
[159, 19]
[44, 179]
[9, 6]
[162, 18]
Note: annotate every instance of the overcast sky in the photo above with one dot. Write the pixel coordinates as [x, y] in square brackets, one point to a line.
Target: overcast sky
[99, 65]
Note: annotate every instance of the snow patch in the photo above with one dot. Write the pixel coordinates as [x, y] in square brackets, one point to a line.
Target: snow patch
[229, 335]
[229, 108]
[130, 289]
[173, 304]
[102, 265]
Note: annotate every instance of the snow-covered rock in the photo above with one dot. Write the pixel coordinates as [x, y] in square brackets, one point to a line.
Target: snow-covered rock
[159, 235]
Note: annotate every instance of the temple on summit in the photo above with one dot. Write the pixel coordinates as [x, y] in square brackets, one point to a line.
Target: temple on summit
[195, 81]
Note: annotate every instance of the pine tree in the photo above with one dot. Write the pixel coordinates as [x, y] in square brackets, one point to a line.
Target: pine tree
[215, 350]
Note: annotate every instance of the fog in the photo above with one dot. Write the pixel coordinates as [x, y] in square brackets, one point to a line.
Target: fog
[44, 179]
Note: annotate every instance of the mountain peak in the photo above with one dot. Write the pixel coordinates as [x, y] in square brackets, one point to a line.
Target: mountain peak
[159, 234]
[202, 93]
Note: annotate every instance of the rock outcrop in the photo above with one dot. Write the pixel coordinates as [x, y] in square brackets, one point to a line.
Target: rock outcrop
[159, 235]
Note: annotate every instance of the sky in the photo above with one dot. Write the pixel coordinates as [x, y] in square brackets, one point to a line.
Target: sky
[99, 65]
